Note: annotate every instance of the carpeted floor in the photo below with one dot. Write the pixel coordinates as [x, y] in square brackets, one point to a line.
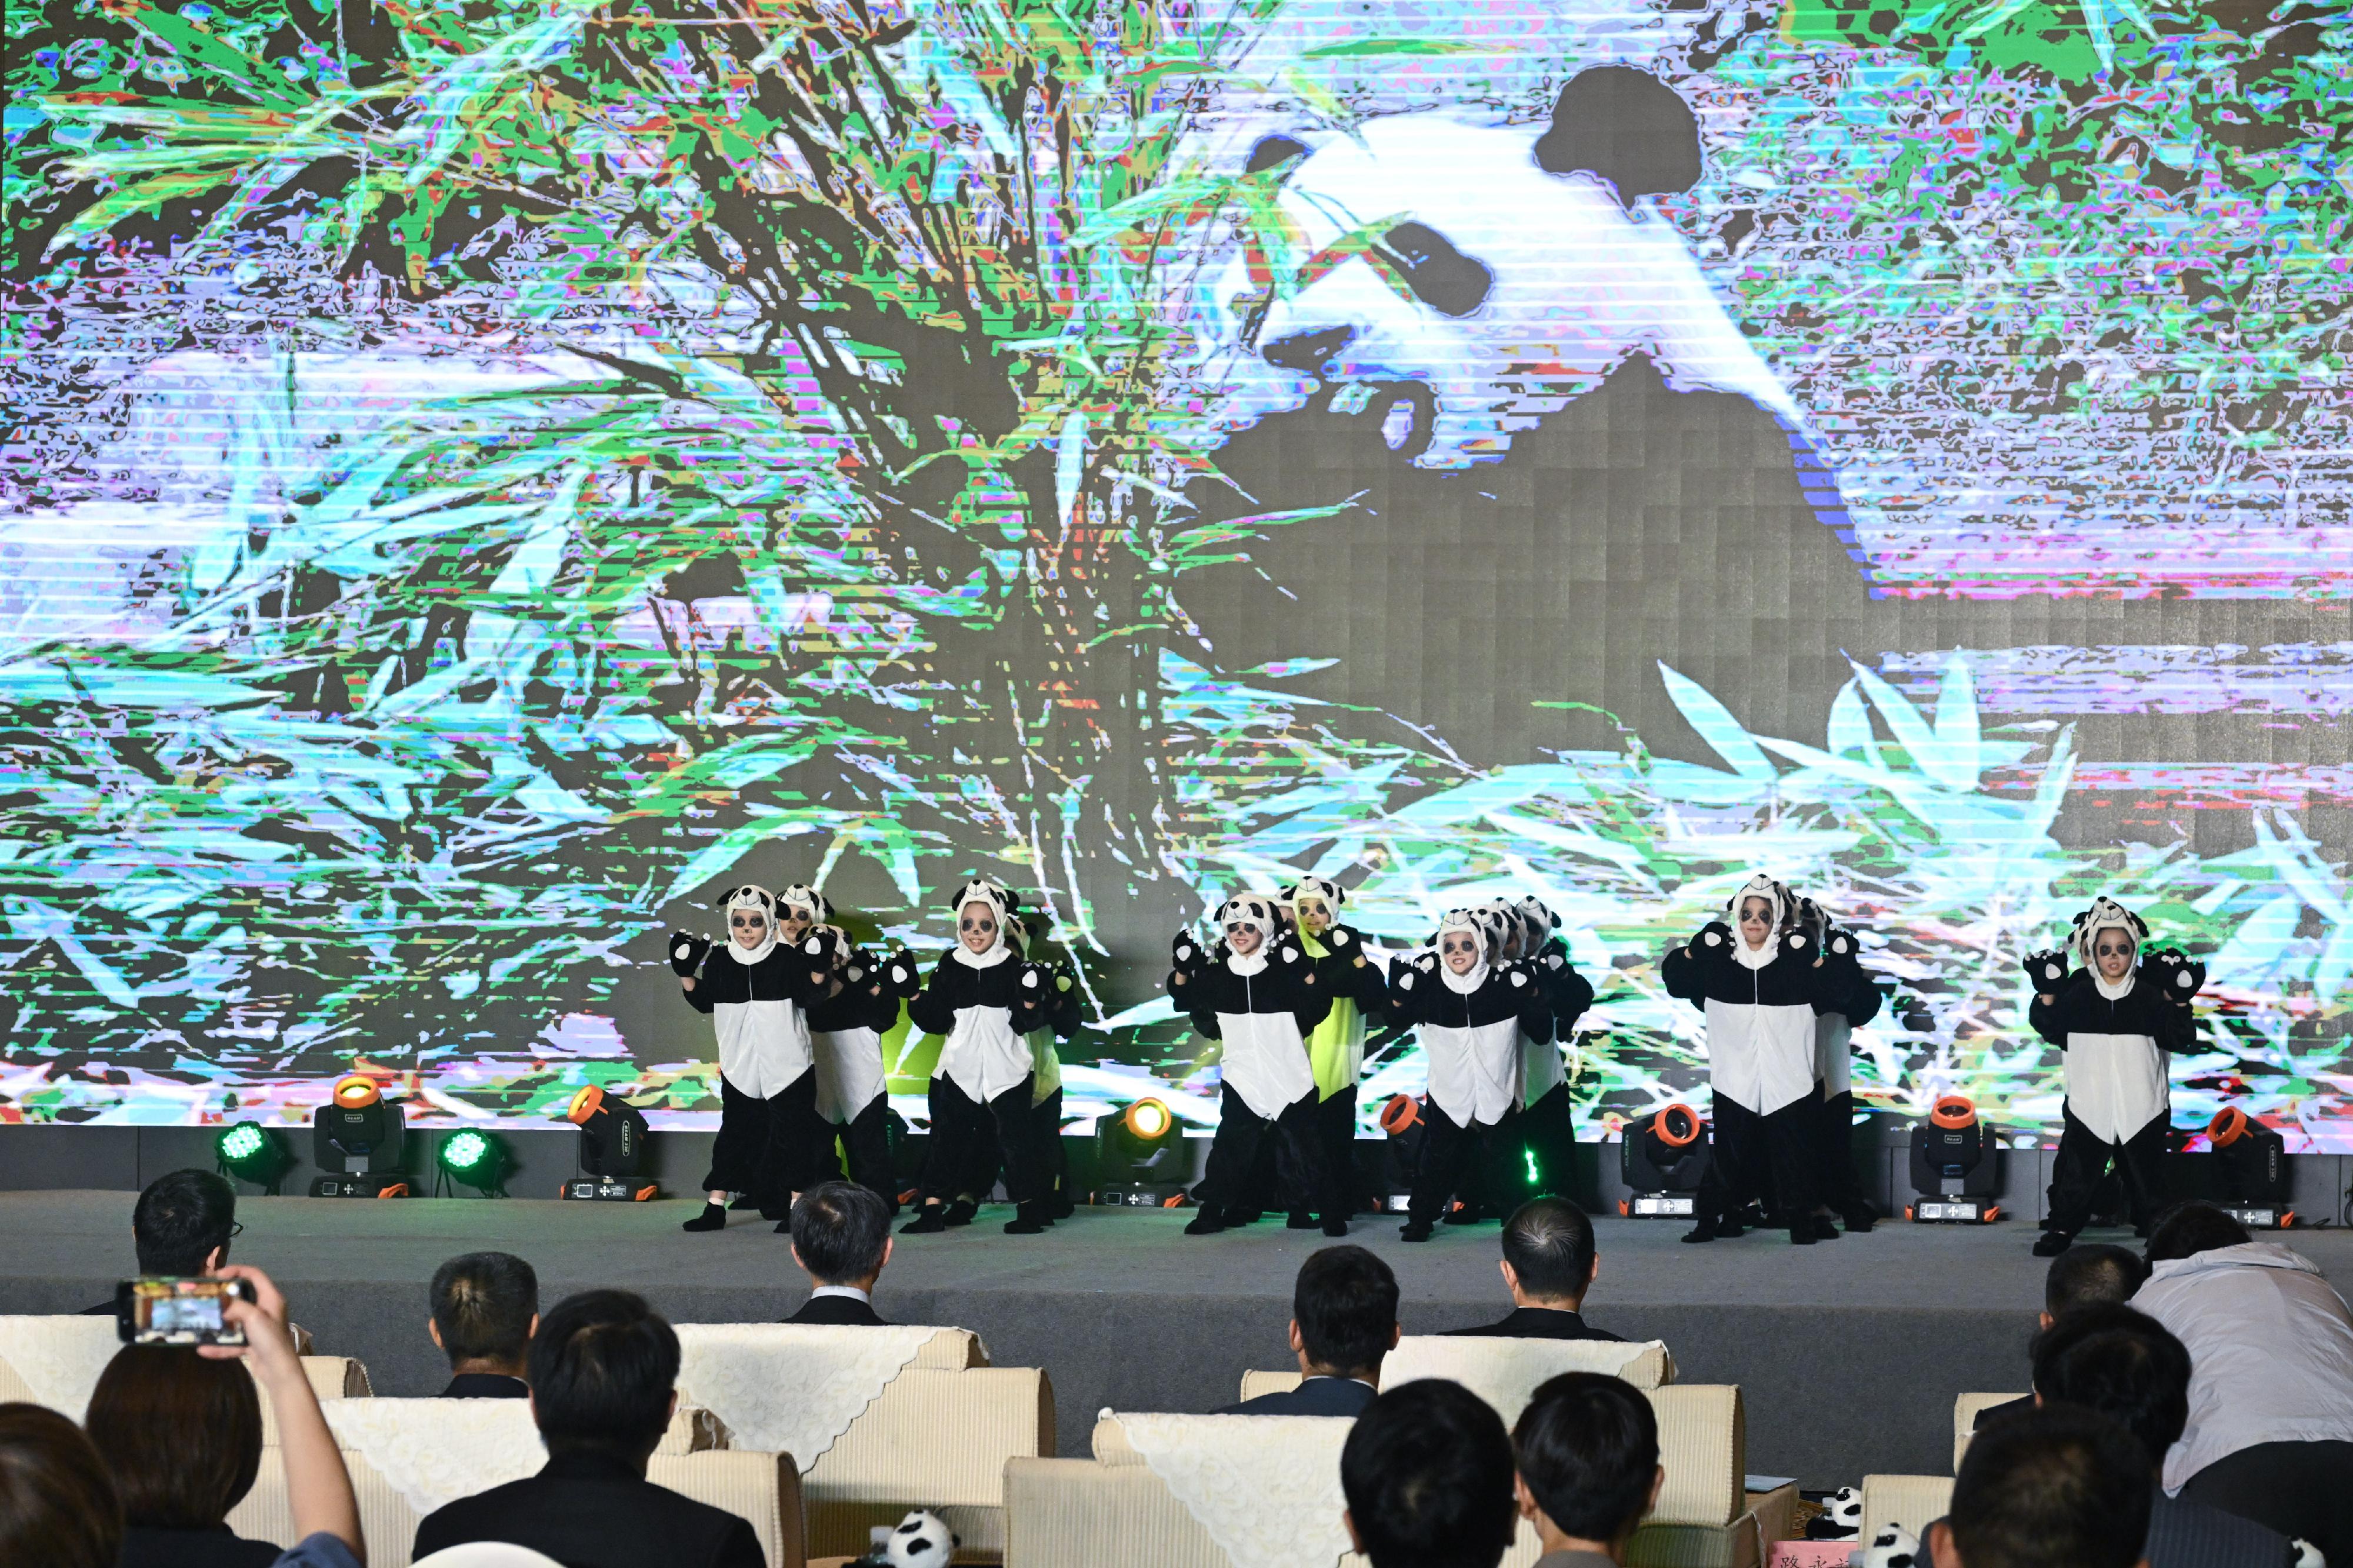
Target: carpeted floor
[1848, 1353]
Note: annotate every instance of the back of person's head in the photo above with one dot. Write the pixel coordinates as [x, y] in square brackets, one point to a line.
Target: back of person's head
[484, 1304]
[182, 1435]
[2054, 1488]
[2122, 1363]
[2091, 1274]
[1588, 1453]
[604, 1366]
[180, 1219]
[840, 1230]
[1346, 1303]
[57, 1506]
[1548, 1242]
[2188, 1229]
[1427, 1471]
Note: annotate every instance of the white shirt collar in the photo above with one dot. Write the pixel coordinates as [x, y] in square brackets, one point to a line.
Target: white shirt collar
[853, 1292]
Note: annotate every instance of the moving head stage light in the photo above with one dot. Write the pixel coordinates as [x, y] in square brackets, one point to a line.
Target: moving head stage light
[1661, 1159]
[251, 1153]
[1402, 1130]
[612, 1149]
[1956, 1166]
[356, 1141]
[2248, 1170]
[1141, 1161]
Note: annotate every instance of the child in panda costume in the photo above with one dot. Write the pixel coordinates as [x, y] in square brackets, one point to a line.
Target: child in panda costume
[2116, 1018]
[755, 988]
[1855, 1002]
[1760, 986]
[1547, 1127]
[1260, 997]
[1061, 1015]
[1470, 1011]
[1335, 1050]
[845, 1032]
[986, 1002]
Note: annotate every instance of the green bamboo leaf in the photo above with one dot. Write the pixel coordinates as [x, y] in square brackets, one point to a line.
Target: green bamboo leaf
[1717, 727]
[116, 205]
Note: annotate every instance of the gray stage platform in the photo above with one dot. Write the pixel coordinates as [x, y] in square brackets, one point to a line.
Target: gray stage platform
[1849, 1352]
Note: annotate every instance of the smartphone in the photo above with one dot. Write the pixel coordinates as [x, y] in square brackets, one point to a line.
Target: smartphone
[164, 1310]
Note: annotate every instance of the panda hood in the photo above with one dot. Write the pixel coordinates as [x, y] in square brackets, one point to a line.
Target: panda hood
[1463, 920]
[1774, 894]
[2106, 914]
[1330, 894]
[1000, 904]
[1257, 911]
[811, 904]
[752, 896]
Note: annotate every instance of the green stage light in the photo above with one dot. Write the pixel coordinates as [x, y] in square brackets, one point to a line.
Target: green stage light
[247, 1152]
[475, 1160]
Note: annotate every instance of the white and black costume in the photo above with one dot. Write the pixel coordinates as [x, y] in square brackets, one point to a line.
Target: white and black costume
[1547, 1124]
[1471, 1026]
[2117, 1037]
[769, 1134]
[1761, 1004]
[1261, 1009]
[985, 1004]
[1059, 1016]
[845, 1032]
[1359, 992]
[1854, 1002]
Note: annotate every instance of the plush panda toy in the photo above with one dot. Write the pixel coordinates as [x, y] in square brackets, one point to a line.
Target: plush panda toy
[1894, 1547]
[919, 1540]
[1841, 1516]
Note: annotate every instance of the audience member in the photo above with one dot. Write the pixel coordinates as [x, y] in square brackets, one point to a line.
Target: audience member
[2123, 1365]
[1549, 1263]
[57, 1502]
[182, 1225]
[2086, 1275]
[1427, 1473]
[1587, 1448]
[604, 1382]
[841, 1240]
[179, 1431]
[1344, 1321]
[2270, 1433]
[2054, 1488]
[485, 1306]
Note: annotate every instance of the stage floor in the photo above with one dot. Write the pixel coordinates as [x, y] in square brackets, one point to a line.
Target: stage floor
[1848, 1353]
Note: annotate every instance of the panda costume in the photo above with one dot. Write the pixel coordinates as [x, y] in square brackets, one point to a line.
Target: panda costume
[2118, 1033]
[986, 1002]
[1548, 1125]
[755, 988]
[1261, 1006]
[845, 1032]
[1471, 1025]
[1335, 1050]
[1760, 1001]
[1855, 1002]
[1060, 1015]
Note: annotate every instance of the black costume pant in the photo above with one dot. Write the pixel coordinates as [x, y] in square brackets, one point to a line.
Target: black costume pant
[1228, 1177]
[867, 1142]
[772, 1148]
[1333, 1193]
[2083, 1158]
[1756, 1156]
[1046, 1117]
[1836, 1181]
[1548, 1132]
[2298, 1488]
[1451, 1152]
[961, 1162]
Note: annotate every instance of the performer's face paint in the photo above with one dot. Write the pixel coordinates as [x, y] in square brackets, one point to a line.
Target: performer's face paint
[748, 927]
[793, 925]
[977, 927]
[1244, 938]
[1314, 916]
[1460, 949]
[1756, 922]
[1511, 941]
[2112, 951]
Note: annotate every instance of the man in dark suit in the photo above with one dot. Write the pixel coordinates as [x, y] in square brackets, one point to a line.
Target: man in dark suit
[181, 1226]
[485, 1306]
[1344, 1321]
[841, 1239]
[604, 1382]
[2086, 1275]
[1549, 1262]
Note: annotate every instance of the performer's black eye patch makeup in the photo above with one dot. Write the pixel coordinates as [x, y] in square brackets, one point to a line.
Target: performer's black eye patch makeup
[747, 922]
[982, 924]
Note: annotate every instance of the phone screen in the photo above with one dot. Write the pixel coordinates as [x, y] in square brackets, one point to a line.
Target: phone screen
[176, 1311]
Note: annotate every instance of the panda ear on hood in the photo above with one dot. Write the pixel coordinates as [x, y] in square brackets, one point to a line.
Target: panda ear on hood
[1626, 128]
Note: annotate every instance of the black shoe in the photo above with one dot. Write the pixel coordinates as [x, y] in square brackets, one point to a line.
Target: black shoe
[1060, 1207]
[1300, 1220]
[1803, 1235]
[712, 1217]
[1415, 1230]
[1209, 1222]
[1233, 1217]
[1860, 1218]
[1824, 1230]
[1461, 1214]
[2052, 1243]
[1029, 1219]
[1704, 1230]
[783, 1227]
[960, 1212]
[1337, 1225]
[931, 1222]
